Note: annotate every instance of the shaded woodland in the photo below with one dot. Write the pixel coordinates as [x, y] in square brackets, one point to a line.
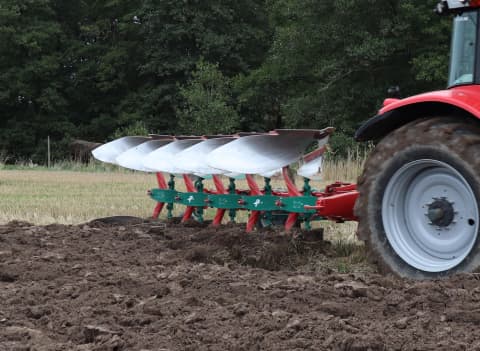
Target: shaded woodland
[94, 70]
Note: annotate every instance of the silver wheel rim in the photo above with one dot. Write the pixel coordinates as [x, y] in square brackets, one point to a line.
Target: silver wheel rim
[430, 215]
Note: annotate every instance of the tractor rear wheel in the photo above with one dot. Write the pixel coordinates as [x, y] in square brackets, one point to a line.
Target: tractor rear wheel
[419, 200]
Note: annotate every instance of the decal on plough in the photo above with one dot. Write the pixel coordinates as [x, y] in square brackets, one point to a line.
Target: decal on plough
[195, 159]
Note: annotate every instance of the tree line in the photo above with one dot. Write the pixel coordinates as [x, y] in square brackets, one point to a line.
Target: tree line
[94, 70]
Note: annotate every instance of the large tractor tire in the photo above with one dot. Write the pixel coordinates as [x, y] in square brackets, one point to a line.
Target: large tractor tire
[419, 199]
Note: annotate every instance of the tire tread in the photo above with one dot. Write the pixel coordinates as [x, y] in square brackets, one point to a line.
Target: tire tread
[445, 132]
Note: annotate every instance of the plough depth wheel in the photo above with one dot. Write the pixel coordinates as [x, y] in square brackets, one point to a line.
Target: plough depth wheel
[419, 195]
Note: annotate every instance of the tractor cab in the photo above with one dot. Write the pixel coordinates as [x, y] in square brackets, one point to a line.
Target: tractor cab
[465, 49]
[464, 67]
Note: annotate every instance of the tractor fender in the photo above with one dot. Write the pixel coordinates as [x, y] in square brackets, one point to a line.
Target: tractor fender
[462, 101]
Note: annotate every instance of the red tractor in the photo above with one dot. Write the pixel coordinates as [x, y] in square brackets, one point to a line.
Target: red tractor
[418, 208]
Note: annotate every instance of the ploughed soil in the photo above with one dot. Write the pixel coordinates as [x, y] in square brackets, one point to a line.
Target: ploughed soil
[143, 286]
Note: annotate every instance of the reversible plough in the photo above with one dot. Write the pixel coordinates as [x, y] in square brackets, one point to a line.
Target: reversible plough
[418, 201]
[195, 159]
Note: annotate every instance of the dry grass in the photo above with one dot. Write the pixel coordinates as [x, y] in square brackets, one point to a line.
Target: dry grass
[45, 196]
[348, 169]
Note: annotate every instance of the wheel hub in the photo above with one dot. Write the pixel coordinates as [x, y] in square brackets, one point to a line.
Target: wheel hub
[430, 215]
[441, 212]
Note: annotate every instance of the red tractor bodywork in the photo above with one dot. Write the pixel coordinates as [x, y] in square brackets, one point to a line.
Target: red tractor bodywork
[464, 97]
[463, 101]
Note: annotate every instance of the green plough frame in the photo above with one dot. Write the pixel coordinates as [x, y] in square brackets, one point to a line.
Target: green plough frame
[291, 204]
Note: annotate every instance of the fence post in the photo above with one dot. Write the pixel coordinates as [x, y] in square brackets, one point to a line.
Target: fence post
[48, 151]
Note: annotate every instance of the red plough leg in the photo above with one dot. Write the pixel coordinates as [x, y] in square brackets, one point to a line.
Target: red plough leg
[254, 190]
[162, 184]
[292, 191]
[191, 189]
[217, 220]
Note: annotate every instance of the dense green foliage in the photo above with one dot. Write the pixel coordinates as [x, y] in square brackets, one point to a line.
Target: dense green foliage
[206, 109]
[95, 69]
